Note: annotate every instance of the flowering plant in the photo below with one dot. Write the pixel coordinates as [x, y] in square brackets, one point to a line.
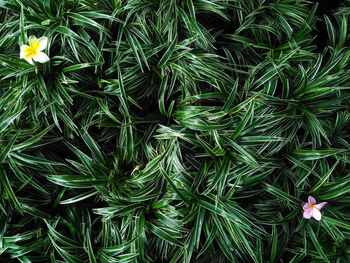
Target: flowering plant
[311, 209]
[34, 50]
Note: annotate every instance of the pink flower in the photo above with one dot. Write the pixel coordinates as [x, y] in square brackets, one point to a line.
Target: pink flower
[311, 209]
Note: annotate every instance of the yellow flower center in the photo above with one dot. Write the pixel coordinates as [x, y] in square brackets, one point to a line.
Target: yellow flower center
[312, 206]
[32, 49]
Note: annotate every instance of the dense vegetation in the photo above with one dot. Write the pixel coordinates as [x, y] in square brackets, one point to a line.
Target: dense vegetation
[175, 131]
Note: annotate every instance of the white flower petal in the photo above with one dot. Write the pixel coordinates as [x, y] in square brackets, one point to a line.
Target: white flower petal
[316, 214]
[41, 43]
[32, 39]
[41, 57]
[29, 60]
[22, 53]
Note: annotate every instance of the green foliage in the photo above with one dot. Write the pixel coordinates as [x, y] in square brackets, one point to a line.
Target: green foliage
[174, 131]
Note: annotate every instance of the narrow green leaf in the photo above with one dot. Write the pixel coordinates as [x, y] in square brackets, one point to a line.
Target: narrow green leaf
[15, 204]
[323, 179]
[8, 148]
[163, 235]
[316, 243]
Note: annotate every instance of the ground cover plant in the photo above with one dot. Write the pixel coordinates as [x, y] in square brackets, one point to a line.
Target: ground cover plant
[174, 131]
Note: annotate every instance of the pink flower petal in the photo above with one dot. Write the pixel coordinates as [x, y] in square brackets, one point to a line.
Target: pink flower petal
[308, 213]
[306, 206]
[316, 214]
[320, 205]
[311, 200]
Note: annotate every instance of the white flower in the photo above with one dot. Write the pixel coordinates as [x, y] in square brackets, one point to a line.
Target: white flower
[33, 51]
